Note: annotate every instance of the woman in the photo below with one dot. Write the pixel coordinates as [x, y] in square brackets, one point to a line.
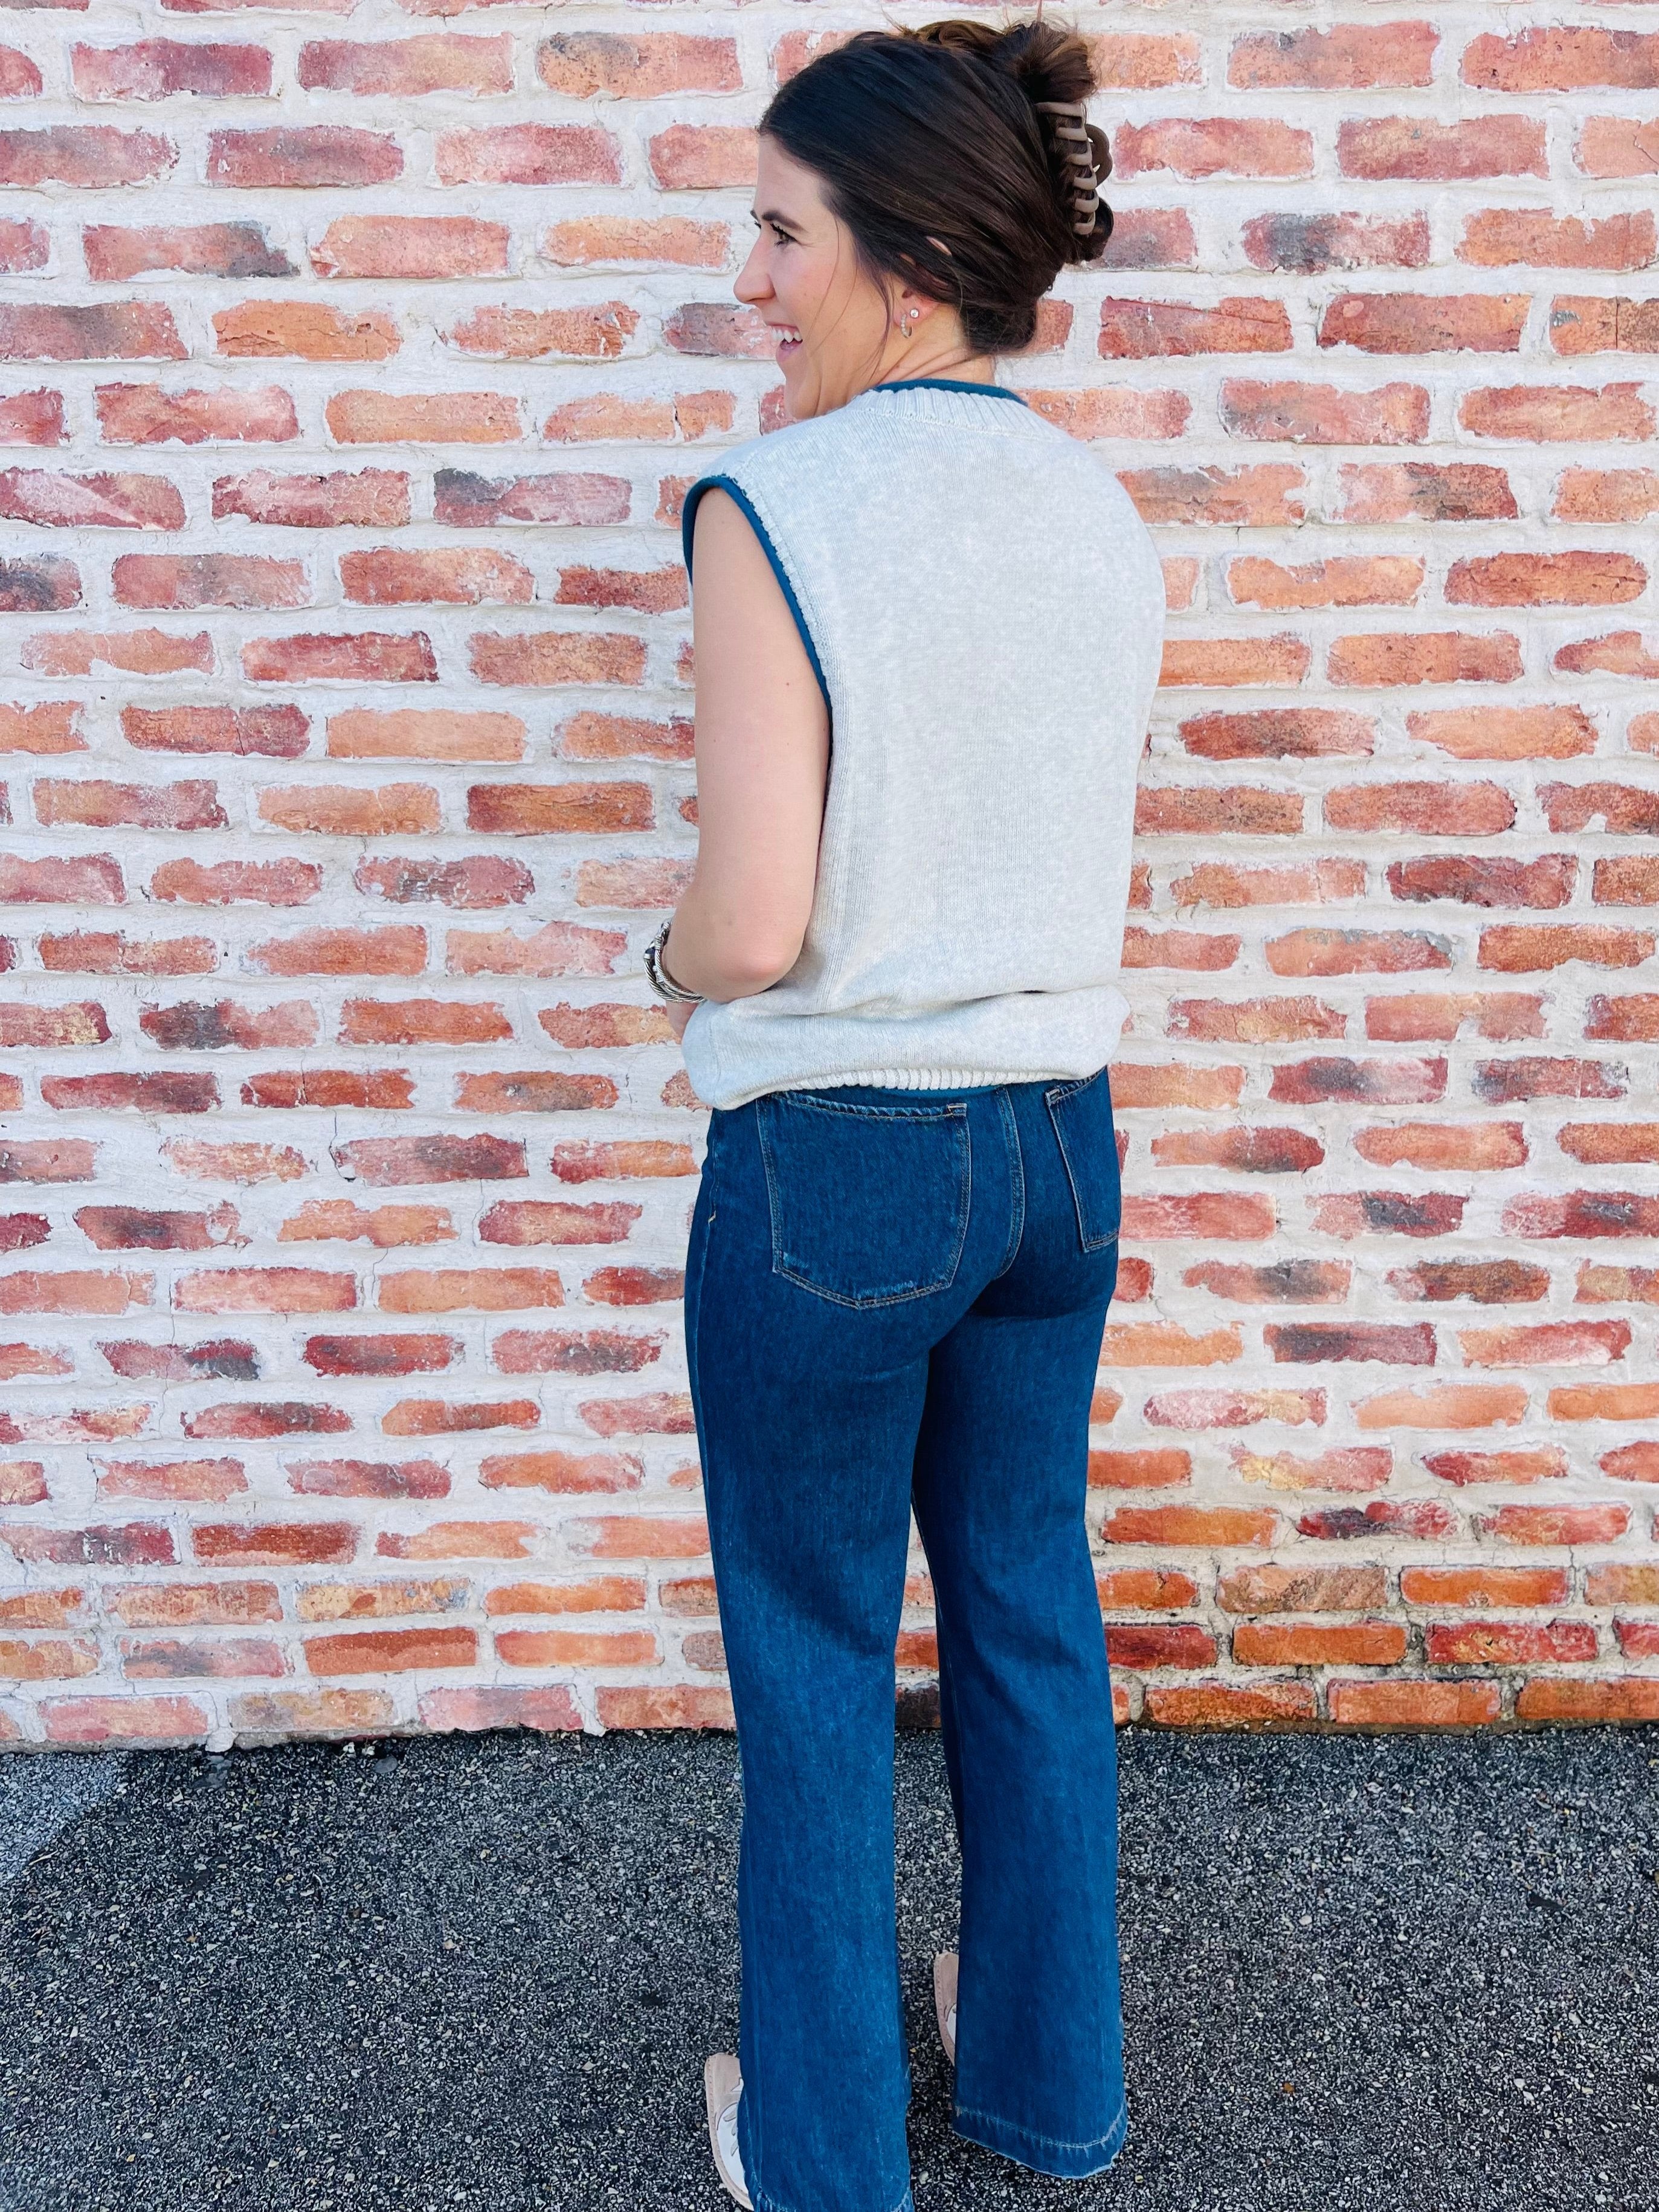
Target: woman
[928, 630]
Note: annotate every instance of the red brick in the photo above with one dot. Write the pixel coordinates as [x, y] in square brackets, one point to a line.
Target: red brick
[1506, 733]
[193, 1605]
[563, 1351]
[394, 951]
[422, 1021]
[30, 418]
[529, 154]
[286, 1089]
[144, 415]
[479, 881]
[541, 1221]
[1151, 238]
[1434, 1145]
[304, 330]
[1558, 1524]
[391, 1650]
[1253, 1021]
[1305, 244]
[1309, 1643]
[1626, 881]
[1563, 59]
[1606, 494]
[232, 882]
[361, 1478]
[1402, 1704]
[394, 809]
[1387, 146]
[1225, 1217]
[98, 503]
[411, 246]
[1217, 812]
[1278, 733]
[551, 1711]
[124, 1720]
[25, 246]
[1212, 1526]
[366, 657]
[556, 949]
[1508, 1081]
[1325, 414]
[1344, 1468]
[1485, 881]
[1624, 809]
[407, 68]
[1563, 1697]
[374, 418]
[1538, 948]
[194, 1480]
[1232, 1705]
[468, 501]
[1617, 146]
[452, 575]
[93, 154]
[1404, 491]
[581, 64]
[1349, 57]
[1545, 412]
[703, 157]
[324, 154]
[596, 333]
[183, 582]
[1266, 494]
[1419, 323]
[1582, 1213]
[1114, 412]
[1602, 1143]
[157, 69]
[1286, 1282]
[1621, 652]
[1137, 330]
[376, 498]
[203, 249]
[1501, 238]
[1573, 580]
[1219, 146]
[1219, 663]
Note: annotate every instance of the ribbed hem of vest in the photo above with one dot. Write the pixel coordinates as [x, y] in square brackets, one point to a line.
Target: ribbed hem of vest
[925, 1079]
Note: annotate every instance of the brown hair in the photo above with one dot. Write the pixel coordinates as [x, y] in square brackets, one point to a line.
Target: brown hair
[932, 148]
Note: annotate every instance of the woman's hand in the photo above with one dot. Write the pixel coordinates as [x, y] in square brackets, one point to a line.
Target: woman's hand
[762, 746]
[678, 1015]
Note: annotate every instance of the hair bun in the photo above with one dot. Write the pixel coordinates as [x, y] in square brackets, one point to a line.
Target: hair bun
[1051, 65]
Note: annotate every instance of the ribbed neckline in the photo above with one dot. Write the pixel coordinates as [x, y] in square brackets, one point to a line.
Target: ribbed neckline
[944, 384]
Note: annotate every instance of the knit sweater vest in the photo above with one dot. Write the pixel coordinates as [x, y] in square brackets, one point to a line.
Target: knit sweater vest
[984, 610]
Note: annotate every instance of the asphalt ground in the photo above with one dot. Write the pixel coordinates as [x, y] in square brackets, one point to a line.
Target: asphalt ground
[1388, 1973]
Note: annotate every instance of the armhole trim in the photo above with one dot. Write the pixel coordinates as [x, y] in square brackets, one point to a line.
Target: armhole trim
[734, 490]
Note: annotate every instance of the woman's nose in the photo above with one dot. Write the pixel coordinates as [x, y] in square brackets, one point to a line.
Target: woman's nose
[753, 284]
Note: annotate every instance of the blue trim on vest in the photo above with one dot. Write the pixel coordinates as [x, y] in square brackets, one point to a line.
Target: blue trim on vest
[949, 384]
[734, 490]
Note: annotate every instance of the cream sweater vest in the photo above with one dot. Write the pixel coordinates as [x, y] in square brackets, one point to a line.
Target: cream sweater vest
[984, 609]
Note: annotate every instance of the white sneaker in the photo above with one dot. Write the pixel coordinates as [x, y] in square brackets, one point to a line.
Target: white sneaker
[944, 2000]
[722, 2085]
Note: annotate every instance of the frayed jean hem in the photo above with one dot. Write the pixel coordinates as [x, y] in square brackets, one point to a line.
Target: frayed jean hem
[1065, 2161]
[762, 2202]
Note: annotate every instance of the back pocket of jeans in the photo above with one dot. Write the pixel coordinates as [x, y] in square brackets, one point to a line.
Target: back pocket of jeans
[869, 1204]
[1082, 1116]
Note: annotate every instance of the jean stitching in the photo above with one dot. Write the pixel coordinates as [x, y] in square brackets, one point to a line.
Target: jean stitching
[904, 1293]
[1017, 1229]
[1057, 1097]
[954, 1111]
[1030, 2135]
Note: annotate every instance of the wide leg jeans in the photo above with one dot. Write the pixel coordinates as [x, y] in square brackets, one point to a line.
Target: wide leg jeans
[895, 1299]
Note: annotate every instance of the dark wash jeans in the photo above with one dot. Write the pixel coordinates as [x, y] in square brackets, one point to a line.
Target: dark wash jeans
[893, 1298]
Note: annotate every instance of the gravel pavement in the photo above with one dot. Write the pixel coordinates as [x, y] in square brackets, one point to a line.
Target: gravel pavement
[1362, 1974]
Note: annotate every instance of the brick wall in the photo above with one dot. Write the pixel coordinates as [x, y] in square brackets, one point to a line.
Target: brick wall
[355, 362]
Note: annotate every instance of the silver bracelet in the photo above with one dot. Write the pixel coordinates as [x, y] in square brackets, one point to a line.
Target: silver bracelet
[658, 976]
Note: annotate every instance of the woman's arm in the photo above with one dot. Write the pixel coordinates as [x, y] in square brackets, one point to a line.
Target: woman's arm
[763, 744]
